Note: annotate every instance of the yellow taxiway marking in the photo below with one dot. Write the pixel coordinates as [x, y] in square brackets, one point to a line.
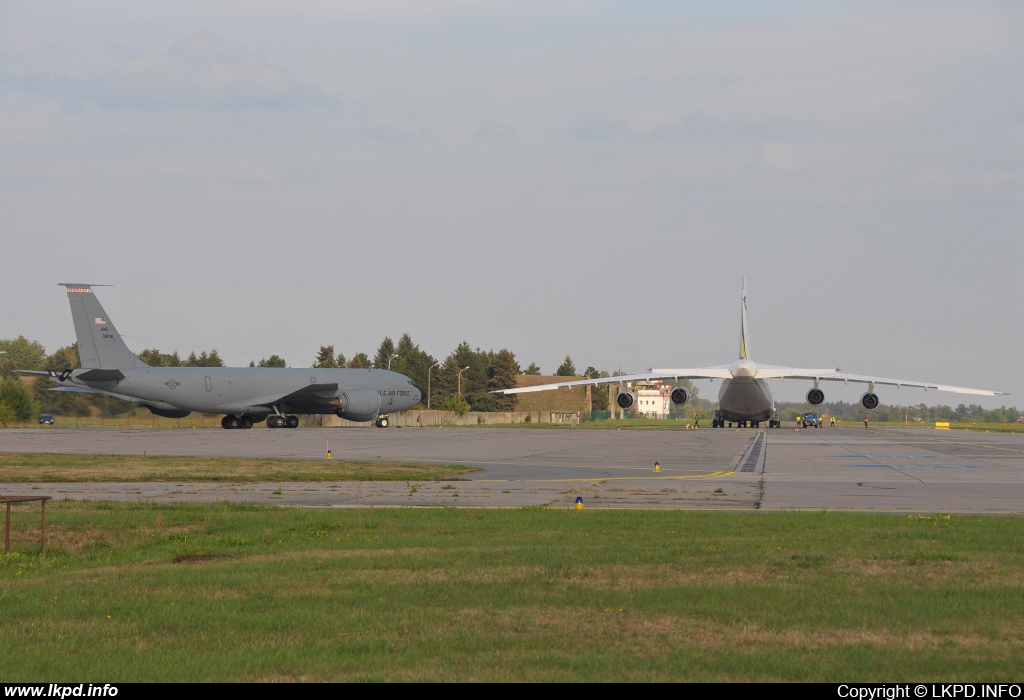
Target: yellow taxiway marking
[660, 477]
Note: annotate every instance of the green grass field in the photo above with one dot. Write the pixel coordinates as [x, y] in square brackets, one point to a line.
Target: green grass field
[45, 467]
[141, 592]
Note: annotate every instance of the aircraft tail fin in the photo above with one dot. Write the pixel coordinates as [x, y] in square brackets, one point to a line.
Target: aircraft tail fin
[744, 334]
[99, 344]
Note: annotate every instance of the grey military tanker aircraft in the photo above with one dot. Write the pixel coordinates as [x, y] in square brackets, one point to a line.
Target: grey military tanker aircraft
[745, 397]
[247, 395]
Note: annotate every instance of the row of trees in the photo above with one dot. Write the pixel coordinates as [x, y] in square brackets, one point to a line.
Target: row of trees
[460, 382]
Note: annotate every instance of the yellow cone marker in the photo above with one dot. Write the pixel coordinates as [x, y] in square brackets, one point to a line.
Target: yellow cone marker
[329, 456]
[657, 467]
[579, 503]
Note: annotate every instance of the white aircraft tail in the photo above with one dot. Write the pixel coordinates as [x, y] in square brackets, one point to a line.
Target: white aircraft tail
[744, 333]
[99, 344]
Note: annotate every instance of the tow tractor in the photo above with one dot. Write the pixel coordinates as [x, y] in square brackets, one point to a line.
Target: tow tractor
[810, 419]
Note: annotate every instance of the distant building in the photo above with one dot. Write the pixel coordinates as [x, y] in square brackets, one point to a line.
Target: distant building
[652, 400]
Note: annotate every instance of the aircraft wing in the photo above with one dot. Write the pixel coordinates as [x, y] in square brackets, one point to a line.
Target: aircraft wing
[863, 379]
[653, 375]
[319, 393]
[831, 375]
[770, 372]
[310, 393]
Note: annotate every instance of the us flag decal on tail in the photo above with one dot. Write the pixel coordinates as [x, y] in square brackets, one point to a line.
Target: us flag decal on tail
[100, 321]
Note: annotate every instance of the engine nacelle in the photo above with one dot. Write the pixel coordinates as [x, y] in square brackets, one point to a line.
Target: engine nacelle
[815, 396]
[166, 410]
[679, 396]
[869, 401]
[626, 400]
[359, 406]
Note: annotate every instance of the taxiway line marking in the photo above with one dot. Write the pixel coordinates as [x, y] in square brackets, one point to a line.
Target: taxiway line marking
[974, 444]
[660, 477]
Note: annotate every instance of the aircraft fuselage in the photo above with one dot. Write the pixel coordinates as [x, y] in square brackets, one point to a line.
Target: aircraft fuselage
[744, 397]
[229, 390]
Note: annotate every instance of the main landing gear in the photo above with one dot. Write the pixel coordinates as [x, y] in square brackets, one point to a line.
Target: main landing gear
[276, 421]
[381, 422]
[719, 422]
[236, 422]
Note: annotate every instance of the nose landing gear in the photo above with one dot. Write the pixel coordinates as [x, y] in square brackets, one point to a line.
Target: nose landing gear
[381, 422]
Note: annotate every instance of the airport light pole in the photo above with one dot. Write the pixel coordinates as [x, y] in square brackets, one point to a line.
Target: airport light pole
[460, 378]
[390, 359]
[428, 382]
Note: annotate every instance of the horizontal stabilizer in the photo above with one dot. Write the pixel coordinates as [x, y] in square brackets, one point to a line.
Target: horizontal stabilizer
[101, 375]
[83, 390]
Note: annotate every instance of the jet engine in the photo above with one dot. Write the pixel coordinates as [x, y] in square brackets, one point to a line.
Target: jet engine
[169, 412]
[815, 396]
[166, 410]
[869, 401]
[626, 400]
[679, 396]
[358, 406]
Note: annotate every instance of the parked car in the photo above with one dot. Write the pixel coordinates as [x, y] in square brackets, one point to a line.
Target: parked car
[46, 419]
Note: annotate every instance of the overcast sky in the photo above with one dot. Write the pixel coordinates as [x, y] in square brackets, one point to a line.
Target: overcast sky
[591, 178]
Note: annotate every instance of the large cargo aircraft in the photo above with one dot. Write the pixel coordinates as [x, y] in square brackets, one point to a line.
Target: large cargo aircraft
[246, 395]
[745, 397]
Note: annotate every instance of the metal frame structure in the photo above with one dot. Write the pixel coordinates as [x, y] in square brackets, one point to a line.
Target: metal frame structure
[7, 529]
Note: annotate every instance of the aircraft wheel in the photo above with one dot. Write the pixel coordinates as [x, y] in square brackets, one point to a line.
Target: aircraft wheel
[384, 422]
[246, 422]
[224, 422]
[272, 421]
[292, 421]
[233, 422]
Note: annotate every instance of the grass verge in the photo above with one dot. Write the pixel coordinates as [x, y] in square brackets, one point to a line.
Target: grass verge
[44, 467]
[218, 592]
